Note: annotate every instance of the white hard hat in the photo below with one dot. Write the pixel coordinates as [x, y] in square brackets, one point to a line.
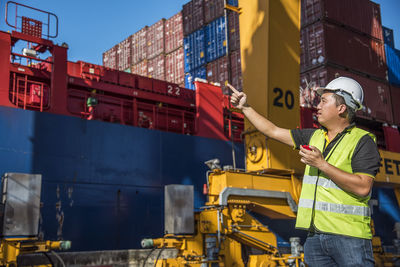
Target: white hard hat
[348, 88]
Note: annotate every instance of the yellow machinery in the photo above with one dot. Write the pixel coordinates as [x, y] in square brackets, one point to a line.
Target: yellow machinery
[19, 219]
[11, 248]
[225, 233]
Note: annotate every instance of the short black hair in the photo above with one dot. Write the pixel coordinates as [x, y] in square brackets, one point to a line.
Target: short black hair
[350, 113]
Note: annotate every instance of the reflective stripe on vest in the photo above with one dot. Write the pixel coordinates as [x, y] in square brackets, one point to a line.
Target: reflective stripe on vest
[323, 203]
[326, 183]
[338, 208]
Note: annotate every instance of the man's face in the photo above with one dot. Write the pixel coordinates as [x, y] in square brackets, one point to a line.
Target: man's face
[328, 111]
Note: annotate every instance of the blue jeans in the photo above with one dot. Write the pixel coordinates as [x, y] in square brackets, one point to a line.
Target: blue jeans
[335, 250]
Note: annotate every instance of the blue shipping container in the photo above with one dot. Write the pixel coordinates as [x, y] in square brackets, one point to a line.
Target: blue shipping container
[232, 2]
[191, 76]
[194, 49]
[215, 39]
[393, 64]
[388, 36]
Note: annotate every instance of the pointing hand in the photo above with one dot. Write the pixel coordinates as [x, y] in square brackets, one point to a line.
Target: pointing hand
[238, 99]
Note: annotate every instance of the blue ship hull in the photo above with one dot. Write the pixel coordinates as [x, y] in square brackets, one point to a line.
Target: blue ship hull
[103, 183]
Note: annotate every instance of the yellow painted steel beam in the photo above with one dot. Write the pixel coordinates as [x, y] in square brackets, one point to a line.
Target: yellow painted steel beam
[270, 51]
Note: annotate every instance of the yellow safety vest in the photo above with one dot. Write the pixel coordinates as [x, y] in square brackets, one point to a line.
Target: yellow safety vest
[333, 209]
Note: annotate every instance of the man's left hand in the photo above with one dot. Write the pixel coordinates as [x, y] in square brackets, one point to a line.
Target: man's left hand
[312, 157]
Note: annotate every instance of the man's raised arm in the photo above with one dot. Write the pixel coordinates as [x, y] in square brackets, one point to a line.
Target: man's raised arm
[239, 100]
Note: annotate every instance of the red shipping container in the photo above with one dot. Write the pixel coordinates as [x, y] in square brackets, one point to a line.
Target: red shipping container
[156, 67]
[377, 99]
[236, 70]
[361, 15]
[187, 18]
[308, 118]
[124, 54]
[140, 68]
[325, 42]
[213, 9]
[392, 138]
[193, 16]
[303, 57]
[173, 33]
[233, 31]
[155, 39]
[217, 72]
[174, 67]
[395, 96]
[110, 58]
[139, 46]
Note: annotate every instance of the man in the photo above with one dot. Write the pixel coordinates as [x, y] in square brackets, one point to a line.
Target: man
[91, 103]
[341, 163]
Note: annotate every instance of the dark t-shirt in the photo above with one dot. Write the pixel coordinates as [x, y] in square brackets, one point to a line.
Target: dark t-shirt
[366, 158]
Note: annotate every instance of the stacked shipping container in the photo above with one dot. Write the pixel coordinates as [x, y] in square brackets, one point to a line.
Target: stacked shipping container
[193, 43]
[332, 42]
[155, 51]
[211, 44]
[393, 64]
[336, 41]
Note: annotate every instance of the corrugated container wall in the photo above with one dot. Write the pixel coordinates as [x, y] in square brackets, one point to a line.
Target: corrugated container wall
[215, 39]
[395, 96]
[393, 64]
[124, 54]
[140, 68]
[191, 76]
[173, 33]
[139, 46]
[377, 99]
[217, 71]
[236, 70]
[194, 49]
[193, 16]
[155, 39]
[213, 9]
[360, 15]
[233, 31]
[110, 58]
[156, 67]
[325, 42]
[174, 67]
[388, 36]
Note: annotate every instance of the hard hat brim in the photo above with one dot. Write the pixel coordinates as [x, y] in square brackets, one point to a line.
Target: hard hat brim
[321, 90]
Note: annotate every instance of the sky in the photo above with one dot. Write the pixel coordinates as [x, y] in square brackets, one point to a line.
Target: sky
[90, 27]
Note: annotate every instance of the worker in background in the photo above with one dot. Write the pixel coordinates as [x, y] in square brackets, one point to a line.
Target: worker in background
[341, 163]
[91, 103]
